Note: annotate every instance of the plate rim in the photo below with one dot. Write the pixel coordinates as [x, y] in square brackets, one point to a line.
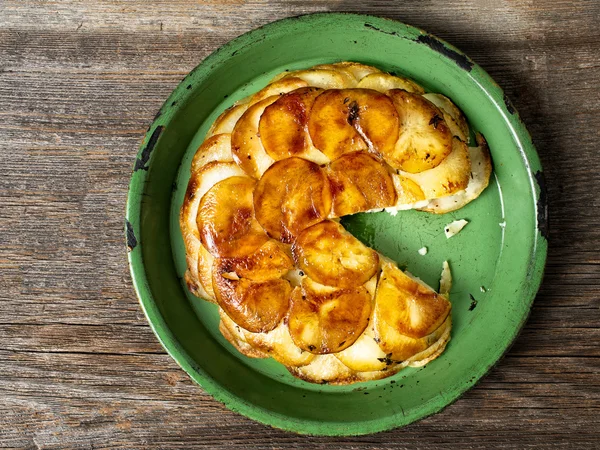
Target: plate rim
[169, 341]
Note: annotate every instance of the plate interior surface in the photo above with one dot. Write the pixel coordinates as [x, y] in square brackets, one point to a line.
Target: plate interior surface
[496, 260]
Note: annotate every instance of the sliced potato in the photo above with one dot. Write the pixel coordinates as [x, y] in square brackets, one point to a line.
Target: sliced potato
[453, 116]
[277, 88]
[360, 182]
[424, 140]
[437, 343]
[383, 82]
[246, 146]
[283, 126]
[407, 314]
[331, 256]
[364, 355]
[448, 178]
[278, 343]
[226, 121]
[348, 120]
[205, 264]
[358, 70]
[292, 195]
[481, 170]
[235, 335]
[200, 182]
[324, 369]
[250, 289]
[226, 221]
[269, 262]
[215, 148]
[327, 320]
[407, 191]
[324, 78]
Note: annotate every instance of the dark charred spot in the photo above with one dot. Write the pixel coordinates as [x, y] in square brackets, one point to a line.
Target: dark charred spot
[435, 120]
[373, 27]
[353, 112]
[144, 158]
[311, 348]
[427, 156]
[314, 167]
[191, 190]
[435, 44]
[473, 302]
[388, 360]
[131, 239]
[346, 100]
[542, 205]
[342, 343]
[249, 157]
[509, 106]
[336, 187]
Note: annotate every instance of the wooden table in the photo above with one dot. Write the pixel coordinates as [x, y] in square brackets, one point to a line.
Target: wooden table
[79, 83]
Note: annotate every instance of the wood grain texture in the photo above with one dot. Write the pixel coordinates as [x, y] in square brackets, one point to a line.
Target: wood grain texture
[80, 82]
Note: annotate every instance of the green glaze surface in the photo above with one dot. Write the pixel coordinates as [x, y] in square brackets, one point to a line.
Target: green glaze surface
[507, 261]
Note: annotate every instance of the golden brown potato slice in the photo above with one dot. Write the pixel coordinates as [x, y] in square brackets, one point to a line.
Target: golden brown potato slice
[250, 289]
[283, 126]
[448, 178]
[277, 88]
[330, 255]
[269, 262]
[246, 146]
[200, 182]
[348, 120]
[452, 115]
[323, 319]
[215, 148]
[227, 120]
[481, 170]
[292, 195]
[424, 140]
[407, 191]
[383, 82]
[255, 306]
[226, 221]
[407, 314]
[360, 182]
[365, 355]
[278, 343]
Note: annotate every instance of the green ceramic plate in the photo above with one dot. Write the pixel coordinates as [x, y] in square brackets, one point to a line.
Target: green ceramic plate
[497, 260]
